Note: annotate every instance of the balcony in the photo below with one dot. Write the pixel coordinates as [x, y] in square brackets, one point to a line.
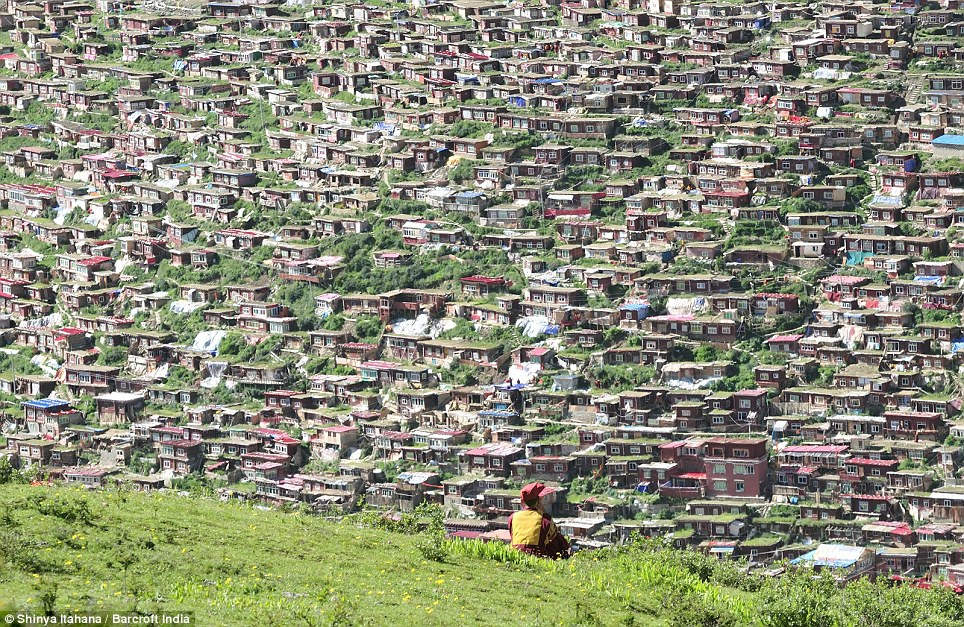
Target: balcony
[682, 492]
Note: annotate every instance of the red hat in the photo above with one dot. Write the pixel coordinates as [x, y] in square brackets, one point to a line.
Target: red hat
[533, 492]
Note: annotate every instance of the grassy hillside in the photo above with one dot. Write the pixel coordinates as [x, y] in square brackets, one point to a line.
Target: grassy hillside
[231, 564]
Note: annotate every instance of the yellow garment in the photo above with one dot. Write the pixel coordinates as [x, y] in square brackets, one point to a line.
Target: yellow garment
[527, 527]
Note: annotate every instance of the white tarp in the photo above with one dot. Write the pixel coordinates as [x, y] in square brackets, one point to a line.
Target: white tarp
[852, 335]
[690, 384]
[422, 325]
[96, 215]
[158, 374]
[53, 320]
[61, 216]
[677, 306]
[121, 264]
[533, 326]
[215, 371]
[208, 341]
[46, 363]
[185, 306]
[831, 75]
[523, 374]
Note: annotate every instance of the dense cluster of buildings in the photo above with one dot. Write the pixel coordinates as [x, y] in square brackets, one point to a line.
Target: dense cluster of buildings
[696, 265]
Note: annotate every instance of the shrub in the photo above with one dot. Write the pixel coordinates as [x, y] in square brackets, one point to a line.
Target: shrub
[695, 610]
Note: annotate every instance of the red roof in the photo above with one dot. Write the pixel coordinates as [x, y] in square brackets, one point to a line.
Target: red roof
[339, 429]
[487, 280]
[670, 318]
[795, 337]
[167, 429]
[815, 448]
[117, 174]
[379, 365]
[497, 449]
[866, 461]
[93, 261]
[844, 280]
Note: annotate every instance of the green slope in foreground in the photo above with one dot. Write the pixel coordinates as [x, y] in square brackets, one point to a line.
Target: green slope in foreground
[231, 564]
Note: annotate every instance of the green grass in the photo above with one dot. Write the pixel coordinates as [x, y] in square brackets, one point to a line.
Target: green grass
[67, 550]
[233, 564]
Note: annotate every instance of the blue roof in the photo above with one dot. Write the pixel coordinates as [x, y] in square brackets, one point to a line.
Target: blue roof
[469, 194]
[831, 555]
[547, 81]
[45, 403]
[634, 306]
[949, 140]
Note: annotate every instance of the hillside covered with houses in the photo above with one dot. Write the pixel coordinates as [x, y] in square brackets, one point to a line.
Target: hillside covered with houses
[698, 266]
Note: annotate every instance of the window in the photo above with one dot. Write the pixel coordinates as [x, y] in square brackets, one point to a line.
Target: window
[719, 486]
[740, 487]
